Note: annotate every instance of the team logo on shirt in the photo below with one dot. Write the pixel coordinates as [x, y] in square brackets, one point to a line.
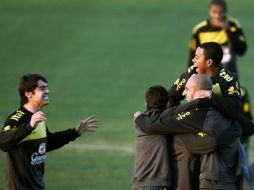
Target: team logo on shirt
[232, 90]
[42, 148]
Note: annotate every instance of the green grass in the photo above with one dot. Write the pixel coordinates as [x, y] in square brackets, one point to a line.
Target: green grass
[99, 58]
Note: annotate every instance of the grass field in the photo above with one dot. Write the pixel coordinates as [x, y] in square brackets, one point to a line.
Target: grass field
[99, 58]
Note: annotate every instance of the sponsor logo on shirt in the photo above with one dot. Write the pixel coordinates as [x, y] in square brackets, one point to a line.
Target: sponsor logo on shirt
[226, 76]
[179, 83]
[182, 115]
[40, 156]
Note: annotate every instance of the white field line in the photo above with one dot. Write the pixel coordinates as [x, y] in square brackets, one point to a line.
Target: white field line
[97, 147]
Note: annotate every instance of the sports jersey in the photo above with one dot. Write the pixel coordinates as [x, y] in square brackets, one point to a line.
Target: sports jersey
[232, 40]
[26, 149]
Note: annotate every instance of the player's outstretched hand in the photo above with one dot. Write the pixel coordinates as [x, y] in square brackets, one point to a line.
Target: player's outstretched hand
[89, 124]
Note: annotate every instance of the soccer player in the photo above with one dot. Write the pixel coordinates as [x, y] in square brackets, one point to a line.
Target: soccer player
[152, 167]
[218, 169]
[221, 29]
[26, 138]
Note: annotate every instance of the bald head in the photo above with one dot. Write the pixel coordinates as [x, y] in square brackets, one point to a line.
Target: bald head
[200, 82]
[196, 82]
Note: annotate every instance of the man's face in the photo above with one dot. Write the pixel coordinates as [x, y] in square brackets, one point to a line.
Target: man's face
[199, 61]
[189, 90]
[217, 13]
[40, 95]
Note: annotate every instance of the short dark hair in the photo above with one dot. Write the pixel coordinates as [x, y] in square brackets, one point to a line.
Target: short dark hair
[156, 97]
[212, 50]
[220, 3]
[27, 84]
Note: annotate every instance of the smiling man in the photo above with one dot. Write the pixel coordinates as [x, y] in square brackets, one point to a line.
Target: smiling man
[26, 138]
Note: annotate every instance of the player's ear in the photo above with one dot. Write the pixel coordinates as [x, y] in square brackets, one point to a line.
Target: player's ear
[28, 94]
[209, 62]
